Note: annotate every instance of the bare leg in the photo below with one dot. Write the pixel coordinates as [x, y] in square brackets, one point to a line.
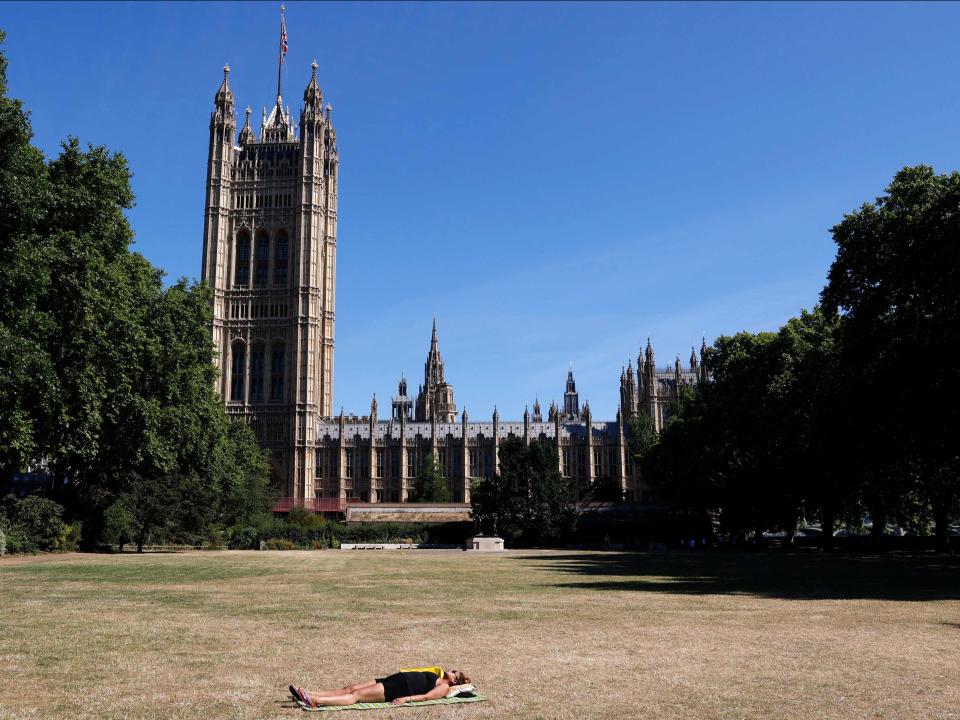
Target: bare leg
[346, 689]
[367, 693]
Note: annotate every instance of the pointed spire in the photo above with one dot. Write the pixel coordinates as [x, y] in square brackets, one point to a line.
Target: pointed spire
[224, 97]
[313, 95]
[246, 135]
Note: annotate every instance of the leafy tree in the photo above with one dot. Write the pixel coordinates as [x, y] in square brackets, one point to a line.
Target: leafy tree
[489, 502]
[117, 525]
[895, 280]
[27, 381]
[529, 499]
[807, 397]
[430, 485]
[105, 375]
[759, 445]
[242, 475]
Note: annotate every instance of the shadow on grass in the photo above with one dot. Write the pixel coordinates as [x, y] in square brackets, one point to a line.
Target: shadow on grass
[785, 576]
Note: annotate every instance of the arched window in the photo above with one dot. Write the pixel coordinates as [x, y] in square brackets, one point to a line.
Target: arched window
[280, 251]
[242, 260]
[257, 368]
[238, 370]
[261, 260]
[277, 361]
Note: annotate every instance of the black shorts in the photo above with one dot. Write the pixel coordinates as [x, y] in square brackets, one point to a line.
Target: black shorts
[405, 684]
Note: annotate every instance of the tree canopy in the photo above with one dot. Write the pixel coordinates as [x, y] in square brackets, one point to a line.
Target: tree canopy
[107, 377]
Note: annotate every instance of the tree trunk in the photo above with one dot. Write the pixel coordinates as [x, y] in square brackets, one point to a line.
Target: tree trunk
[827, 519]
[142, 537]
[879, 525]
[792, 528]
[940, 520]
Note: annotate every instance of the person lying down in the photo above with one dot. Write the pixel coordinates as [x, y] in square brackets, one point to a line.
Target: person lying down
[408, 685]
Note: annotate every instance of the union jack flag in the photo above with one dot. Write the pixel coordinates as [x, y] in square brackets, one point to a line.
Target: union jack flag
[283, 38]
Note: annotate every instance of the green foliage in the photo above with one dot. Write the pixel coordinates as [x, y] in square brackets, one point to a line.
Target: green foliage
[117, 526]
[895, 280]
[529, 501]
[830, 417]
[105, 376]
[309, 531]
[35, 523]
[430, 485]
[281, 544]
[243, 538]
[216, 538]
[18, 542]
[69, 539]
[760, 445]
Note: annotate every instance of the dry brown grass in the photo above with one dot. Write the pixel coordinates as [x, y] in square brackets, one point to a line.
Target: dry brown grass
[571, 635]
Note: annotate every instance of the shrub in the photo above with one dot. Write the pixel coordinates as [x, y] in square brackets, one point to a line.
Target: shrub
[69, 539]
[117, 525]
[216, 538]
[37, 521]
[243, 538]
[18, 542]
[3, 543]
[281, 544]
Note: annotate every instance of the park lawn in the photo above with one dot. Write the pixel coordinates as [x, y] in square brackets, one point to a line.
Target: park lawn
[544, 634]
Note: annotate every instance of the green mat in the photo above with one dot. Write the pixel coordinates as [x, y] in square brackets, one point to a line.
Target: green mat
[378, 705]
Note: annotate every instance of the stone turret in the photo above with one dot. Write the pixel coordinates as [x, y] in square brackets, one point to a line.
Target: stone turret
[571, 400]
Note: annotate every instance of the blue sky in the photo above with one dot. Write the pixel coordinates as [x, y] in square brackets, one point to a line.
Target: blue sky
[555, 182]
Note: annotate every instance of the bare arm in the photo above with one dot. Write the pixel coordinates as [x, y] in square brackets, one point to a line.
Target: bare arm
[438, 692]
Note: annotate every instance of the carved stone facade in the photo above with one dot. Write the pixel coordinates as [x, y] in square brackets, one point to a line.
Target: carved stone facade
[269, 255]
[654, 392]
[371, 460]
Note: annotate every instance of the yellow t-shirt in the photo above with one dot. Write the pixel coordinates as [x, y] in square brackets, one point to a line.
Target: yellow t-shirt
[438, 671]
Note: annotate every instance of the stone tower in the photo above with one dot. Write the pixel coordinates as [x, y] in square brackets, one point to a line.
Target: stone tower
[435, 398]
[628, 393]
[269, 255]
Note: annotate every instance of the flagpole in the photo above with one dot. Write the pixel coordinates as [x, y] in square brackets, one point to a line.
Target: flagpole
[280, 57]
